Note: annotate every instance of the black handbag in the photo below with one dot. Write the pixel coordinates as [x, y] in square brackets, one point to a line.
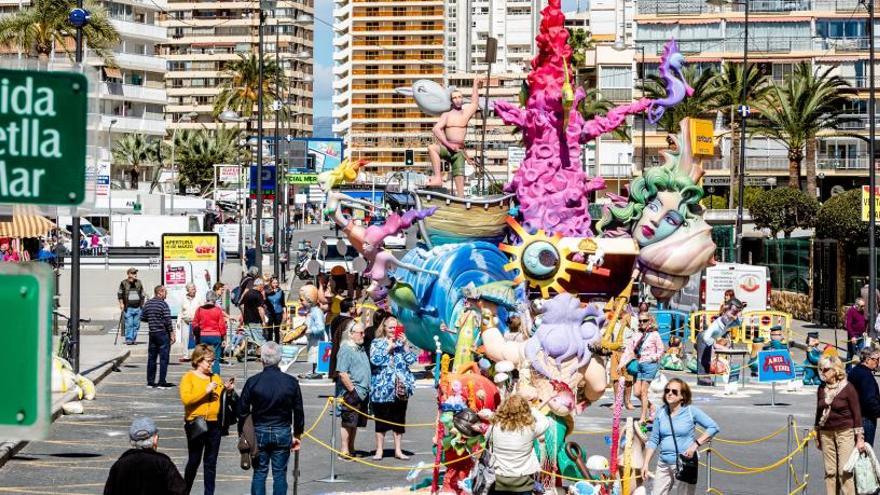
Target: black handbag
[483, 473]
[228, 415]
[195, 428]
[686, 468]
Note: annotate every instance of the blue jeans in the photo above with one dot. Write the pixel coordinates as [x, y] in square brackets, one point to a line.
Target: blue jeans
[870, 427]
[215, 341]
[273, 443]
[159, 347]
[132, 323]
[852, 350]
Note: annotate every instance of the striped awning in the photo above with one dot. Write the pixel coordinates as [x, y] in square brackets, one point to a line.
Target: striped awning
[26, 221]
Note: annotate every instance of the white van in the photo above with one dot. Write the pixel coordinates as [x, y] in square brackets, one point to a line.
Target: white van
[750, 284]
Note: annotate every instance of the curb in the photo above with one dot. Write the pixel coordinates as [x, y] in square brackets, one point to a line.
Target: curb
[8, 449]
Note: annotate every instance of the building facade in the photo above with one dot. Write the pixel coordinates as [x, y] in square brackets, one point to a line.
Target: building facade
[204, 36]
[827, 33]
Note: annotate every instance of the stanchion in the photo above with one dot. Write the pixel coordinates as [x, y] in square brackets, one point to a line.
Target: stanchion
[806, 460]
[709, 468]
[789, 420]
[331, 478]
[245, 354]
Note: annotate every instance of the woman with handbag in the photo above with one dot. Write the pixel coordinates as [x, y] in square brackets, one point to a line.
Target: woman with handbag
[210, 322]
[200, 392]
[511, 439]
[838, 425]
[642, 359]
[674, 434]
[276, 309]
[391, 384]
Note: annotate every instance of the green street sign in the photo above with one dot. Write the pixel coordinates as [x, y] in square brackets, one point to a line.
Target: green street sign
[26, 350]
[42, 137]
[302, 179]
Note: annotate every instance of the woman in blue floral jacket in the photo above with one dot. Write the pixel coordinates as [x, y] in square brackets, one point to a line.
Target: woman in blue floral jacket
[392, 383]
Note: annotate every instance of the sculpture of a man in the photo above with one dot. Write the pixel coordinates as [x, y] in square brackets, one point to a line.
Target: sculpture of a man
[450, 132]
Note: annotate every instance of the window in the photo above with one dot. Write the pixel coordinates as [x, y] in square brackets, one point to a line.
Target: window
[398, 11]
[399, 113]
[372, 26]
[782, 71]
[616, 77]
[398, 26]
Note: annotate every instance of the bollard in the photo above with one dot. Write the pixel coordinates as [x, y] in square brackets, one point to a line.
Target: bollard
[332, 477]
[709, 469]
[790, 421]
[806, 460]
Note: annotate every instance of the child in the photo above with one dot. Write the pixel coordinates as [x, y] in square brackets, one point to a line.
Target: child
[672, 359]
[811, 363]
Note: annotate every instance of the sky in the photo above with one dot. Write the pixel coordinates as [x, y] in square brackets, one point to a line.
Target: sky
[323, 69]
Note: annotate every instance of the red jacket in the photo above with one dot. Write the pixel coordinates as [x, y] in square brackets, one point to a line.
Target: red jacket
[210, 321]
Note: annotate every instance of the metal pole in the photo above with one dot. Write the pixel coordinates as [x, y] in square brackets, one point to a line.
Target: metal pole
[485, 112]
[332, 477]
[644, 117]
[789, 422]
[276, 222]
[74, 242]
[173, 148]
[742, 138]
[806, 462]
[258, 229]
[872, 176]
[709, 469]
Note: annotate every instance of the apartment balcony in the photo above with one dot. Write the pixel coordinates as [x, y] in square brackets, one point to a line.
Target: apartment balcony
[342, 84]
[151, 124]
[615, 170]
[129, 29]
[858, 122]
[764, 164]
[343, 40]
[827, 163]
[151, 63]
[673, 7]
[842, 45]
[131, 92]
[617, 94]
[697, 7]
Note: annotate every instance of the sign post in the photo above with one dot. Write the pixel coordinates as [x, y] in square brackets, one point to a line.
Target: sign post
[775, 366]
[26, 344]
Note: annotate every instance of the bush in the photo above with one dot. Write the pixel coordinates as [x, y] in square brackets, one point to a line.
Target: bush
[783, 210]
[713, 202]
[840, 218]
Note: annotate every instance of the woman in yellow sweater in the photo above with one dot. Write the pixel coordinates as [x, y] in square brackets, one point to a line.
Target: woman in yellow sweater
[200, 393]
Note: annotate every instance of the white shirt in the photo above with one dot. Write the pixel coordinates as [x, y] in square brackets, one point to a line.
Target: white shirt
[514, 450]
[188, 308]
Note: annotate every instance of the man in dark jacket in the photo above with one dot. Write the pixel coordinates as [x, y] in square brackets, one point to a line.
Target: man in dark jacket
[274, 400]
[157, 314]
[142, 470]
[862, 378]
[131, 300]
[856, 324]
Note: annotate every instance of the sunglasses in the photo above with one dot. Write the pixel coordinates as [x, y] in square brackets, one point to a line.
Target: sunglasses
[824, 370]
[674, 391]
[644, 321]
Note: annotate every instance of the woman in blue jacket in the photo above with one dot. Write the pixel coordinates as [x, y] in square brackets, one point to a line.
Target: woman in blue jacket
[674, 434]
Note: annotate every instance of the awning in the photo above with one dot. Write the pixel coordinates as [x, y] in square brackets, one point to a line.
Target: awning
[26, 222]
[113, 72]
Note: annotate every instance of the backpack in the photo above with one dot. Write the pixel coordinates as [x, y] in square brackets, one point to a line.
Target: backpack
[235, 294]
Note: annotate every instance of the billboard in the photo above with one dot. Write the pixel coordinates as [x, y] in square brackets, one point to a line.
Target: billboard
[314, 154]
[189, 258]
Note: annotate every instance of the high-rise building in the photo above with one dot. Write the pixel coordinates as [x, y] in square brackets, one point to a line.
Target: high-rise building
[827, 33]
[131, 95]
[380, 46]
[204, 36]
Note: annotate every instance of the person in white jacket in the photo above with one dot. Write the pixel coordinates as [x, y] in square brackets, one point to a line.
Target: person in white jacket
[515, 427]
[186, 341]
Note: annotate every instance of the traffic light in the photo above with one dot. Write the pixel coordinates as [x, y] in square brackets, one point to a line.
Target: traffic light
[409, 158]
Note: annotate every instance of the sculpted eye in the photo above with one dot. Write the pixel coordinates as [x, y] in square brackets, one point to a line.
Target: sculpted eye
[540, 259]
[654, 205]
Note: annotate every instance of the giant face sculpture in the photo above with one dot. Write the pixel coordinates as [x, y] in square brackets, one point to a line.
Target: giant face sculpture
[660, 218]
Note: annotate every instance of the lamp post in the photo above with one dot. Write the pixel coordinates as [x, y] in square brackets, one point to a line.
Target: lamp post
[183, 118]
[872, 170]
[110, 185]
[743, 115]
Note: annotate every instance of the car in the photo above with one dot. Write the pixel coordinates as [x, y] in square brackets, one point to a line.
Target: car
[332, 258]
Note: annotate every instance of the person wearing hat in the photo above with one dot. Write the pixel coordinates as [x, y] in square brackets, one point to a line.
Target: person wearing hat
[142, 469]
[210, 323]
[719, 328]
[131, 300]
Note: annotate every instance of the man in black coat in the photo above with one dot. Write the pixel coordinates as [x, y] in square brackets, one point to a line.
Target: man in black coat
[142, 470]
[862, 378]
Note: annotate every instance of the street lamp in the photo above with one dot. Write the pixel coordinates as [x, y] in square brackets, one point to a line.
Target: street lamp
[110, 185]
[187, 117]
[231, 116]
[743, 114]
[872, 169]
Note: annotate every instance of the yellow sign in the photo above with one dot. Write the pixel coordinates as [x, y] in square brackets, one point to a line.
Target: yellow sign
[702, 135]
[183, 247]
[866, 202]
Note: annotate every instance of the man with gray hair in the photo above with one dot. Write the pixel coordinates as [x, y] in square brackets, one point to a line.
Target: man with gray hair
[142, 470]
[862, 378]
[856, 324]
[274, 400]
[186, 339]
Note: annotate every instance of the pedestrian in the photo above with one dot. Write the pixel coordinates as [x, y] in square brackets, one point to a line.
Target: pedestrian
[720, 328]
[219, 289]
[515, 427]
[674, 434]
[338, 331]
[315, 327]
[247, 281]
[627, 327]
[866, 289]
[250, 258]
[253, 313]
[186, 337]
[276, 306]
[142, 469]
[210, 322]
[838, 425]
[274, 400]
[856, 323]
[131, 300]
[352, 388]
[158, 317]
[646, 346]
[200, 391]
[861, 377]
[391, 385]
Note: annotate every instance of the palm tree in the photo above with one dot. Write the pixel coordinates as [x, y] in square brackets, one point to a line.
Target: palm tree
[595, 104]
[37, 29]
[133, 151]
[728, 85]
[198, 150]
[239, 92]
[797, 110]
[702, 102]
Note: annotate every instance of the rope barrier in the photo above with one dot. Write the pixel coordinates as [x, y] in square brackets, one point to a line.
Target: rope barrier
[714, 490]
[571, 478]
[379, 420]
[747, 442]
[799, 488]
[757, 470]
[319, 417]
